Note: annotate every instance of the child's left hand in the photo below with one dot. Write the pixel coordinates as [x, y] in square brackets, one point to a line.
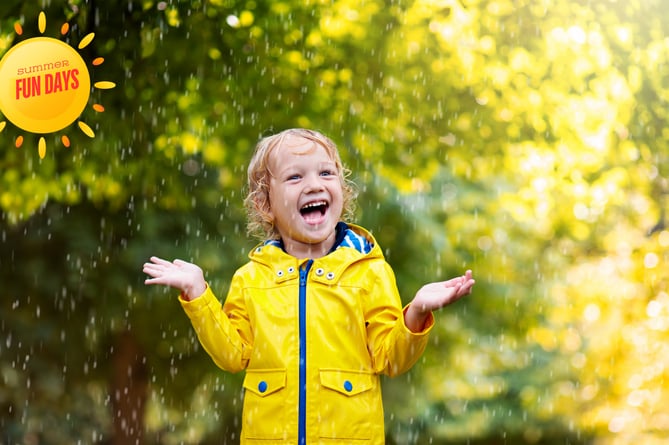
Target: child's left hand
[434, 296]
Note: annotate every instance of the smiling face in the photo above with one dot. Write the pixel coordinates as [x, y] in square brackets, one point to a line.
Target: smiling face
[305, 196]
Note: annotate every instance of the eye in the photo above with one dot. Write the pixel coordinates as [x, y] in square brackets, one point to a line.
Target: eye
[293, 177]
[327, 173]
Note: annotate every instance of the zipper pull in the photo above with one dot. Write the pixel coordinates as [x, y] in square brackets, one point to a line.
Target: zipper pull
[304, 272]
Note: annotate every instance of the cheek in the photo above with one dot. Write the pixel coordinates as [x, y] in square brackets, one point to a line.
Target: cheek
[278, 203]
[338, 191]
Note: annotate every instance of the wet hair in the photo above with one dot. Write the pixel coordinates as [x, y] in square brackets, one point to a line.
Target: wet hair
[260, 224]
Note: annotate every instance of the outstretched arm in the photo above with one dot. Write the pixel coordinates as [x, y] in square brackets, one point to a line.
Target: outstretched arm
[434, 296]
[186, 277]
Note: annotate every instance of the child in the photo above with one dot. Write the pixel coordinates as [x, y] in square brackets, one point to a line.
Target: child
[315, 316]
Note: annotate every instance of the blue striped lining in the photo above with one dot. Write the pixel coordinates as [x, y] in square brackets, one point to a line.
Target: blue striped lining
[357, 242]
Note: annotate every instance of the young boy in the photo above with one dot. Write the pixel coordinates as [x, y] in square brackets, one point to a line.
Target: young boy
[315, 316]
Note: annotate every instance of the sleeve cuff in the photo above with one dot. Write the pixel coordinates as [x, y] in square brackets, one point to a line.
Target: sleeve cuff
[427, 326]
[199, 302]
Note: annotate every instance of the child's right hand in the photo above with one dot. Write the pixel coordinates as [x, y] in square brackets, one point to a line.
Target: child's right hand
[186, 277]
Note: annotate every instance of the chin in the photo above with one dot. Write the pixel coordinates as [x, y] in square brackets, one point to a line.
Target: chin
[315, 236]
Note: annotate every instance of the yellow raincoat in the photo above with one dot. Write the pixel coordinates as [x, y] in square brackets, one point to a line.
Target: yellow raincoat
[313, 337]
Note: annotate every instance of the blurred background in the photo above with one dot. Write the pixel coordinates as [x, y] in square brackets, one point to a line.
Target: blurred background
[526, 140]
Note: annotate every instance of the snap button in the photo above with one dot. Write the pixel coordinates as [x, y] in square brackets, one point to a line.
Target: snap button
[319, 271]
[262, 386]
[279, 273]
[291, 269]
[330, 275]
[348, 386]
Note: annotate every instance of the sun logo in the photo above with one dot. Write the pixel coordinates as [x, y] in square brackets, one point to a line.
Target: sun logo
[45, 85]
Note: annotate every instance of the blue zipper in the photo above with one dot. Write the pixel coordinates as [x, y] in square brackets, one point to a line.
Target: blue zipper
[302, 407]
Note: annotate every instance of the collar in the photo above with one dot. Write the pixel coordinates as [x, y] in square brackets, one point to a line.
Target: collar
[345, 237]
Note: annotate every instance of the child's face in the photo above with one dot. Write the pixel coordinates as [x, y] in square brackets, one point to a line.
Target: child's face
[305, 197]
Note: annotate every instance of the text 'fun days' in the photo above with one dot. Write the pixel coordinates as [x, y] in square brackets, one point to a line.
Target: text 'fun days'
[47, 83]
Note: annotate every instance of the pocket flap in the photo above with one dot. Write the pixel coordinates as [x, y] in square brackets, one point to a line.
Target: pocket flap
[265, 382]
[348, 383]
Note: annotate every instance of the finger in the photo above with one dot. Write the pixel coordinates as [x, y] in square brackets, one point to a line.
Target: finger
[459, 280]
[467, 288]
[153, 274]
[152, 269]
[451, 282]
[157, 260]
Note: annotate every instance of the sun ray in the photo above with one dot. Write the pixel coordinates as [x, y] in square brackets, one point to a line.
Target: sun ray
[98, 61]
[64, 29]
[41, 147]
[19, 141]
[97, 107]
[18, 29]
[104, 85]
[41, 22]
[86, 40]
[65, 140]
[88, 131]
[3, 124]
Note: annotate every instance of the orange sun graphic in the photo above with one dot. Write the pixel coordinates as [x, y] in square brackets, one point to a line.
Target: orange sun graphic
[46, 85]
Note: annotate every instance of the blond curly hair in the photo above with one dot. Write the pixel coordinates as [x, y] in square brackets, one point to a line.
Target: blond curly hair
[260, 223]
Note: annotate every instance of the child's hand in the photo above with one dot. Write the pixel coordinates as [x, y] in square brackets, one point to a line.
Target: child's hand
[434, 296]
[186, 277]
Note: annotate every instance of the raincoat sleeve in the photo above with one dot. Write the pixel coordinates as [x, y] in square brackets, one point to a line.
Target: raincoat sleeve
[223, 330]
[394, 348]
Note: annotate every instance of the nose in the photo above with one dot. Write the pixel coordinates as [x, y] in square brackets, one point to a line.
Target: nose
[313, 183]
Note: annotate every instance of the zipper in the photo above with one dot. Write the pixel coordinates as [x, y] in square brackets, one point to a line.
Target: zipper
[302, 406]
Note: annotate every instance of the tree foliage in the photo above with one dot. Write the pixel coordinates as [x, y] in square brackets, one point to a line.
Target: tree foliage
[525, 140]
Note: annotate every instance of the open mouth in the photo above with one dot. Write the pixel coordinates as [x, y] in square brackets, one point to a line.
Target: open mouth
[314, 212]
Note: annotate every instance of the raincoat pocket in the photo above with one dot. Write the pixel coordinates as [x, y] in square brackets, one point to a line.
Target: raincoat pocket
[350, 404]
[264, 404]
